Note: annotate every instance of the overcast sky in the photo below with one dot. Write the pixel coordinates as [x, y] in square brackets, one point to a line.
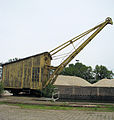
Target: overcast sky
[29, 27]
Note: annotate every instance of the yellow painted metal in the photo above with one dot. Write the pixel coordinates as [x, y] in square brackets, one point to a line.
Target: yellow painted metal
[68, 59]
[22, 75]
[2, 76]
[64, 45]
[19, 74]
[33, 72]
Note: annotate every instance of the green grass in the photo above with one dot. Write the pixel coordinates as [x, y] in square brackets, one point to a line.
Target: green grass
[100, 108]
[44, 107]
[2, 103]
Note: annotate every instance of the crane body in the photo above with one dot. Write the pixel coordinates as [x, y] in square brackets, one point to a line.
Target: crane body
[33, 73]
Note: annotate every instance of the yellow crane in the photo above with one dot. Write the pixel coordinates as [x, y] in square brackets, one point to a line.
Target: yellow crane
[58, 69]
[32, 73]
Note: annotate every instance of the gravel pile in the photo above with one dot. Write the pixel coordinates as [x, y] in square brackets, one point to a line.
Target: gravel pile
[71, 81]
[104, 83]
[7, 93]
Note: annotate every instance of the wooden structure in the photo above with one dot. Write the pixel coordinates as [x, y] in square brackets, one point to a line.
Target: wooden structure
[28, 73]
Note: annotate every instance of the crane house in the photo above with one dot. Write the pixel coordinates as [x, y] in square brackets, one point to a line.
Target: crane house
[26, 74]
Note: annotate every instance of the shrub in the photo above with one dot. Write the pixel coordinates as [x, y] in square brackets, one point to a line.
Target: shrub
[47, 92]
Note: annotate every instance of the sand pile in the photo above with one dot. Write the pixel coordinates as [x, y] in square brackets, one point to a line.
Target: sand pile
[71, 81]
[104, 83]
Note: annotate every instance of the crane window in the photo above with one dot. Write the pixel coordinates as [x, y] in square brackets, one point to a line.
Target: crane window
[35, 74]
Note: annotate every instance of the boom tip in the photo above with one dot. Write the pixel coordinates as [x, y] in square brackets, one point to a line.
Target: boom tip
[109, 20]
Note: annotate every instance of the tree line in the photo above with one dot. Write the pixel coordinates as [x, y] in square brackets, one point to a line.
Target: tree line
[86, 72]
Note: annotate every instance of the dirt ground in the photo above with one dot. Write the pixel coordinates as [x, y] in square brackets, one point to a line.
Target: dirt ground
[9, 98]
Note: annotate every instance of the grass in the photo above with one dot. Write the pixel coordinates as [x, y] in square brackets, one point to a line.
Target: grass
[100, 108]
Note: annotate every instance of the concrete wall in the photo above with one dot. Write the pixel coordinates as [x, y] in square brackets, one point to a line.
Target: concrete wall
[86, 93]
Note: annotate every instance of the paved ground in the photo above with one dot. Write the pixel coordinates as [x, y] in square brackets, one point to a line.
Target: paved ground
[16, 113]
[8, 112]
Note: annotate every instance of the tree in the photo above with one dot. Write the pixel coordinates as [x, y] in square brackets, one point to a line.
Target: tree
[87, 73]
[102, 72]
[12, 60]
[79, 70]
[69, 70]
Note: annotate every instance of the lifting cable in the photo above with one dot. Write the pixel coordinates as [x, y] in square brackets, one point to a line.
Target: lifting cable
[67, 54]
[63, 56]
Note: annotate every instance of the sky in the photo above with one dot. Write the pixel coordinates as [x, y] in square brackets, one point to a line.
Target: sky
[29, 27]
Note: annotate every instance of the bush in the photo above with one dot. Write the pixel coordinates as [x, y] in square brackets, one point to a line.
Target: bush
[1, 88]
[47, 92]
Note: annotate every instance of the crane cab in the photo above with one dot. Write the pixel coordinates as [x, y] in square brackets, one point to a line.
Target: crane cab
[30, 73]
